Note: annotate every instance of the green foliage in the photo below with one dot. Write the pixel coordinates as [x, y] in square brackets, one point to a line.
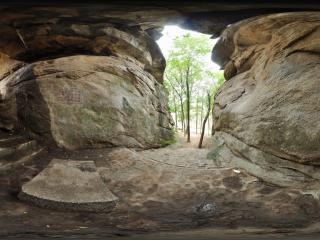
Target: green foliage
[185, 58]
[215, 152]
[171, 140]
[219, 80]
[165, 143]
[186, 65]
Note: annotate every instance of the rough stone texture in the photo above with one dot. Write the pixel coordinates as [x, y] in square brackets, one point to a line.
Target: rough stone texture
[84, 101]
[54, 40]
[89, 101]
[180, 186]
[207, 16]
[170, 188]
[77, 76]
[266, 114]
[32, 35]
[71, 185]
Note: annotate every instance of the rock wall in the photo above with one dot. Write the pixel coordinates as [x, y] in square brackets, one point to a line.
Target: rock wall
[84, 85]
[266, 114]
[210, 17]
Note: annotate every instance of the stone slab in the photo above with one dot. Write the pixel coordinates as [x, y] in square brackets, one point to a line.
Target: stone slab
[69, 185]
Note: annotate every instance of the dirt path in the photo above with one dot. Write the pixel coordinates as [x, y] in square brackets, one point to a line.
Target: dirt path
[194, 140]
[168, 189]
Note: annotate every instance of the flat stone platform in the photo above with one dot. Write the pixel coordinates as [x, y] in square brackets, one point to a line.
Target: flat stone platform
[69, 185]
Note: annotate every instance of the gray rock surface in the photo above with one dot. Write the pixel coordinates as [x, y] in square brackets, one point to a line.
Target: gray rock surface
[209, 17]
[87, 86]
[266, 114]
[71, 185]
[89, 102]
[158, 189]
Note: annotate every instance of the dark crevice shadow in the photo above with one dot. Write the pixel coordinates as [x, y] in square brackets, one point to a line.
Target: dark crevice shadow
[58, 52]
[32, 110]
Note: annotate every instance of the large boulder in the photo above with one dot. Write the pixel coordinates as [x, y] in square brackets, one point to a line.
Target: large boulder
[88, 101]
[53, 40]
[266, 114]
[84, 84]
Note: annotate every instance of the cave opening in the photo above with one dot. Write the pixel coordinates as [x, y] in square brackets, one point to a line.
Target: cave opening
[191, 79]
[93, 145]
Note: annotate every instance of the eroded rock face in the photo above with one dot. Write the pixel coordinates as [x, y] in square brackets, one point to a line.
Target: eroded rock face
[85, 86]
[54, 40]
[266, 114]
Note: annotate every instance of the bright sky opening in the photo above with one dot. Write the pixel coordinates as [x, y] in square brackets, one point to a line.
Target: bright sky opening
[171, 32]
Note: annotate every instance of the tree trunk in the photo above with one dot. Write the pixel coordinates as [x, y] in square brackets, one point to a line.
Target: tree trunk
[182, 114]
[175, 111]
[201, 113]
[188, 106]
[205, 120]
[212, 126]
[197, 110]
[181, 105]
[209, 125]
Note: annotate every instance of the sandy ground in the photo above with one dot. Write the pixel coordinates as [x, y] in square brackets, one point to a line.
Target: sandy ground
[194, 140]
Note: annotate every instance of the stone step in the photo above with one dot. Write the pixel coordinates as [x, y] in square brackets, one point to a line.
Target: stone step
[4, 166]
[8, 143]
[32, 144]
[69, 185]
[15, 152]
[11, 141]
[4, 134]
[5, 152]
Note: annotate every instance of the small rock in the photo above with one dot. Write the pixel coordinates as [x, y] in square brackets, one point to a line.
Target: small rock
[207, 208]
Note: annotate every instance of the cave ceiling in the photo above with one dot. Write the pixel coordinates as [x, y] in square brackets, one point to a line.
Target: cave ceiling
[210, 17]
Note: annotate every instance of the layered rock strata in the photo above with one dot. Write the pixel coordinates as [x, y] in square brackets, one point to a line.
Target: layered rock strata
[266, 114]
[84, 85]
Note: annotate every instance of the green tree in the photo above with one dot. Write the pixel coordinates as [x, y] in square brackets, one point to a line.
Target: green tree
[211, 92]
[184, 69]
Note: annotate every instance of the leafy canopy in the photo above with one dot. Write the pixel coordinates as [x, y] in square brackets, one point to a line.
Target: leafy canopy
[185, 61]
